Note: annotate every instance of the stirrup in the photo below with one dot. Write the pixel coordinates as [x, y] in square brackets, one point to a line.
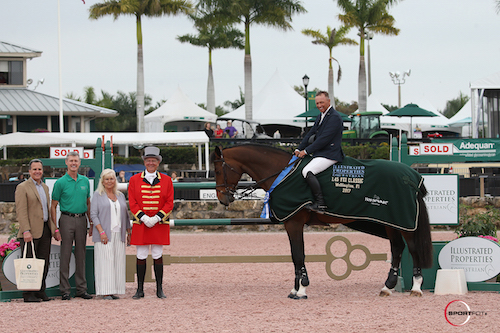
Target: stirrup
[314, 207]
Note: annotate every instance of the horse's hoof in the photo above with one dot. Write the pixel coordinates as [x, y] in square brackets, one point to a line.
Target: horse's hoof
[385, 293]
[416, 293]
[292, 296]
[300, 297]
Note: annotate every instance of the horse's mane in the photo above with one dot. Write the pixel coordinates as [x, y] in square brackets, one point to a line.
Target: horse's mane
[257, 146]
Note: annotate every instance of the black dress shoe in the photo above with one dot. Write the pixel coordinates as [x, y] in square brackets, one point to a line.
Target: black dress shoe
[84, 296]
[43, 296]
[32, 299]
[66, 297]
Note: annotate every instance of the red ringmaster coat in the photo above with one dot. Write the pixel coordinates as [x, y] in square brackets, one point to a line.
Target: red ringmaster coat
[151, 199]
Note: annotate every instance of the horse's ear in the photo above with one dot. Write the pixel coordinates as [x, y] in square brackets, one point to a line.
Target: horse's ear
[218, 151]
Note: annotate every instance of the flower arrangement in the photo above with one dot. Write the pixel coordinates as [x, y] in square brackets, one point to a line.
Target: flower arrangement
[491, 238]
[7, 248]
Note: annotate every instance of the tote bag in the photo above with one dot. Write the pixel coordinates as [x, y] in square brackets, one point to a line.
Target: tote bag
[29, 271]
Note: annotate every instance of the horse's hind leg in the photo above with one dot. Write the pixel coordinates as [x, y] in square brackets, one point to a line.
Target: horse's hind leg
[295, 231]
[417, 270]
[397, 247]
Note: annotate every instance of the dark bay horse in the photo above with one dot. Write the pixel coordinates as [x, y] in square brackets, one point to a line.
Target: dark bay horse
[264, 163]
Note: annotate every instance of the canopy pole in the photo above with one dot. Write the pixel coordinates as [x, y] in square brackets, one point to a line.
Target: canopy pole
[199, 157]
[207, 159]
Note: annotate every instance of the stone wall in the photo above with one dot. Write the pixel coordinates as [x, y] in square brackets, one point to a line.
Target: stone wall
[238, 209]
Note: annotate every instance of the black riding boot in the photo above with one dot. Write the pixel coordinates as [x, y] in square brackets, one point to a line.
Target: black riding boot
[158, 267]
[319, 204]
[141, 273]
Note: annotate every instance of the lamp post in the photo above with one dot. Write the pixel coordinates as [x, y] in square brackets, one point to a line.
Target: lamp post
[305, 81]
[399, 79]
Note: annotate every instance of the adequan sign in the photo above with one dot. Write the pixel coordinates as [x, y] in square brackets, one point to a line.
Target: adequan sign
[478, 257]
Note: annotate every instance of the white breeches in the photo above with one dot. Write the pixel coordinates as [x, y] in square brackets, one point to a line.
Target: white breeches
[143, 251]
[317, 165]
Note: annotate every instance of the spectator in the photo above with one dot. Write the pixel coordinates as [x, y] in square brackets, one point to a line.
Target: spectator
[231, 130]
[121, 177]
[208, 130]
[218, 132]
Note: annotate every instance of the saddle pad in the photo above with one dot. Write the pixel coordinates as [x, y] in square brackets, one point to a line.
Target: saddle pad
[380, 191]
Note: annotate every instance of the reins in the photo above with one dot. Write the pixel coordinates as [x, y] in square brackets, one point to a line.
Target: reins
[247, 190]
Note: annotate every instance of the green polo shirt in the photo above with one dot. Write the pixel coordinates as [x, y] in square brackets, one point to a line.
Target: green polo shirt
[72, 195]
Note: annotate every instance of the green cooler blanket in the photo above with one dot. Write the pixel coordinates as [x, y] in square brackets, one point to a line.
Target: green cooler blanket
[379, 191]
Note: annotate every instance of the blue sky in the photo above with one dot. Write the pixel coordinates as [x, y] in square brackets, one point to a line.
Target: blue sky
[446, 44]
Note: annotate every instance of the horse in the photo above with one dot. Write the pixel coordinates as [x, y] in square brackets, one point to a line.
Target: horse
[264, 163]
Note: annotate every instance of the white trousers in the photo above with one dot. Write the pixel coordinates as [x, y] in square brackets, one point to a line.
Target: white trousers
[143, 251]
[317, 165]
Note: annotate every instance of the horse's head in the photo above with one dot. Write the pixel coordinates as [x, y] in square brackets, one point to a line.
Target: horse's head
[226, 177]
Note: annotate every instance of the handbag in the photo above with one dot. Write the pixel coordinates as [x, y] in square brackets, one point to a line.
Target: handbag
[29, 271]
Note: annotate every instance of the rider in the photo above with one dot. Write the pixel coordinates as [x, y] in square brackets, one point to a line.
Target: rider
[323, 142]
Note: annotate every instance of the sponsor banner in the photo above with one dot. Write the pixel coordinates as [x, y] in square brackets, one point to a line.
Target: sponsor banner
[442, 198]
[475, 149]
[478, 257]
[258, 194]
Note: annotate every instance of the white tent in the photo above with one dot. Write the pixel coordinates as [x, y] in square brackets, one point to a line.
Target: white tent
[373, 104]
[178, 108]
[463, 119]
[20, 139]
[479, 113]
[276, 103]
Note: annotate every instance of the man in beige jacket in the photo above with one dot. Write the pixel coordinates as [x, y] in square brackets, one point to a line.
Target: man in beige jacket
[33, 215]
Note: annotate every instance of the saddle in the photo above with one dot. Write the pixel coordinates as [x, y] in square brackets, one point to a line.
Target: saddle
[379, 191]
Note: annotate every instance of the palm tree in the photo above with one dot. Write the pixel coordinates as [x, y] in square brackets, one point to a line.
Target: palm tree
[366, 15]
[331, 39]
[213, 35]
[139, 8]
[273, 13]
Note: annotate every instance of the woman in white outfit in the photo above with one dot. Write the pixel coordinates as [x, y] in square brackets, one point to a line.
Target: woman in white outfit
[111, 233]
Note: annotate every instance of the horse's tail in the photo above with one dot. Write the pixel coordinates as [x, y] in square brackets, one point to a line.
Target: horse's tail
[422, 236]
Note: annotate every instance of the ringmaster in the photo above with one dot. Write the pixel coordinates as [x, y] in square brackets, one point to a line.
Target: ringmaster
[33, 210]
[72, 193]
[151, 199]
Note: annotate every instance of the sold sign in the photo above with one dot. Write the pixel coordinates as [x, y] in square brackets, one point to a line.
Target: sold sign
[435, 149]
[62, 152]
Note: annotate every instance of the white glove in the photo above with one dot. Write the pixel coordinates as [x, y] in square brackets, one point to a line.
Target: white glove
[154, 219]
[147, 221]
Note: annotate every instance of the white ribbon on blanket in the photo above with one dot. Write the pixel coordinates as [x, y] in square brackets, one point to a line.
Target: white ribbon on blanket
[265, 211]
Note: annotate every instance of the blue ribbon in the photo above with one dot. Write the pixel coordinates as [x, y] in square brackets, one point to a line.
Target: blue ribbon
[266, 211]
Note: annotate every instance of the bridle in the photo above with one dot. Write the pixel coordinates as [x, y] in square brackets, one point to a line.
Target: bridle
[230, 189]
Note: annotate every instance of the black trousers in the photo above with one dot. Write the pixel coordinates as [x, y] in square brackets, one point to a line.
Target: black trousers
[42, 250]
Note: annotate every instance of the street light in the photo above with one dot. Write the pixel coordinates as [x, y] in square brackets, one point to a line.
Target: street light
[305, 81]
[399, 79]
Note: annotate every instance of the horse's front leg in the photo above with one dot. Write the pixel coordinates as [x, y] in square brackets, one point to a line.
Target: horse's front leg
[295, 231]
[397, 247]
